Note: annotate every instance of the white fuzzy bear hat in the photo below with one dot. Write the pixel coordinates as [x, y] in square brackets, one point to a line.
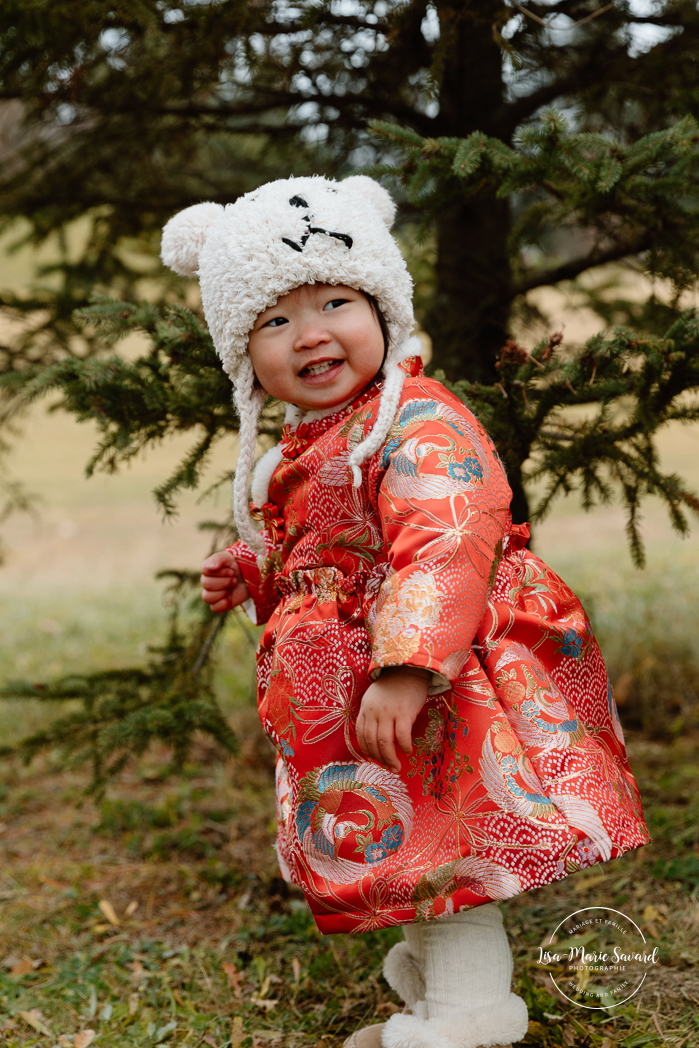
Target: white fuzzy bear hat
[287, 233]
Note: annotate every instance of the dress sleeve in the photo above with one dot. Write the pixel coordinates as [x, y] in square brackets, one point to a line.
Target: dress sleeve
[263, 593]
[444, 508]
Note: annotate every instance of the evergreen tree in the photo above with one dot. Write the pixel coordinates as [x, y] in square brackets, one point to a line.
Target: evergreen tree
[123, 115]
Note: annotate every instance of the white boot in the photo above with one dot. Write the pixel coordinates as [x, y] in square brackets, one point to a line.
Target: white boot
[404, 974]
[467, 966]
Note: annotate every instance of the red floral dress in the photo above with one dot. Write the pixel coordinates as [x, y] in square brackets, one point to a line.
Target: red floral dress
[518, 774]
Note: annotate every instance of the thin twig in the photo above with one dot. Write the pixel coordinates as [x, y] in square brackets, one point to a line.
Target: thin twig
[206, 646]
[242, 617]
[530, 14]
[561, 28]
[657, 1025]
[588, 18]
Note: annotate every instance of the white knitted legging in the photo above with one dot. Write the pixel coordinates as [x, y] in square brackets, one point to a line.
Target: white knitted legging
[455, 974]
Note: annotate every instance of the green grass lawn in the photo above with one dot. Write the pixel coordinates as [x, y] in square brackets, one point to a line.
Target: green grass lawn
[158, 917]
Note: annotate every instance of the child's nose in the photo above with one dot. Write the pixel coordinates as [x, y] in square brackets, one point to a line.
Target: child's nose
[310, 336]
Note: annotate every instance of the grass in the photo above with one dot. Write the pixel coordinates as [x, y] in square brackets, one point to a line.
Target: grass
[159, 917]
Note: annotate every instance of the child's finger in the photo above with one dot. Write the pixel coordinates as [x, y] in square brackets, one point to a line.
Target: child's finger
[372, 748]
[386, 745]
[215, 596]
[221, 561]
[209, 583]
[404, 734]
[359, 728]
[228, 571]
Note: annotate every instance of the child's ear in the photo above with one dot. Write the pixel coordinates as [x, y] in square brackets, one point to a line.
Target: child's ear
[184, 237]
[375, 193]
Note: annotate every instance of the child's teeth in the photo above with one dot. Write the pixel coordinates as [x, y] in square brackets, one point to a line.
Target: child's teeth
[318, 369]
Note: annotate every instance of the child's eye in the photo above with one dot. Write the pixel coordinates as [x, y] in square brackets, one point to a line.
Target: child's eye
[276, 322]
[335, 302]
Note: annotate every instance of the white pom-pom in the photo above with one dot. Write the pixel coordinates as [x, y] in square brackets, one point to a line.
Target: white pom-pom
[375, 193]
[184, 236]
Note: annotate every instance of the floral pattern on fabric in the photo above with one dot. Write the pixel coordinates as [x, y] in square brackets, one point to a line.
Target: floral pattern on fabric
[349, 815]
[518, 775]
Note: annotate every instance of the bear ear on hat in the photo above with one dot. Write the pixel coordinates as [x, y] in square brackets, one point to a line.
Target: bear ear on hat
[375, 193]
[184, 237]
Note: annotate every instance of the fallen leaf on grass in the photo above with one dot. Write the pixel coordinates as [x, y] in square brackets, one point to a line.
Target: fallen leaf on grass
[650, 916]
[237, 1032]
[43, 879]
[588, 882]
[162, 1031]
[35, 1019]
[84, 1038]
[22, 967]
[296, 969]
[131, 908]
[267, 1002]
[113, 941]
[137, 969]
[268, 980]
[232, 977]
[109, 912]
[208, 1039]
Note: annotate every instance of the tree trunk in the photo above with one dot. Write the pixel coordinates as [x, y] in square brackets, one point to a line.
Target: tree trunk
[468, 320]
[519, 507]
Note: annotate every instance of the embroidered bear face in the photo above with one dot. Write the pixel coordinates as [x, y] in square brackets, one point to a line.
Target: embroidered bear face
[298, 201]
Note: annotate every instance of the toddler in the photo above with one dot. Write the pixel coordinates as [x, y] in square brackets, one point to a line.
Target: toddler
[446, 734]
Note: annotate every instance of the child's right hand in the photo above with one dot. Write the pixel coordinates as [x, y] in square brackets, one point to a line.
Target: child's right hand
[388, 710]
[222, 582]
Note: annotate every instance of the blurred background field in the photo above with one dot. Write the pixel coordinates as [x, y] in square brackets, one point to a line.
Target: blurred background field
[78, 588]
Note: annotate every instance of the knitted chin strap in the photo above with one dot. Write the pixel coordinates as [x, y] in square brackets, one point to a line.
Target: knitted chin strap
[248, 400]
[388, 406]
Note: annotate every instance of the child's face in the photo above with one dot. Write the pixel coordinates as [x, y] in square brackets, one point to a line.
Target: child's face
[319, 346]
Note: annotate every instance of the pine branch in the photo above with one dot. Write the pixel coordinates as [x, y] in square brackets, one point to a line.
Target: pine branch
[572, 269]
[641, 199]
[124, 712]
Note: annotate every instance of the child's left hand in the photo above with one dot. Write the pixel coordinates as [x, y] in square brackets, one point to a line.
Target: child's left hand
[388, 711]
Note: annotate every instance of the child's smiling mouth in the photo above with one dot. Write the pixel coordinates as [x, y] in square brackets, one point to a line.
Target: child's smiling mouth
[321, 369]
